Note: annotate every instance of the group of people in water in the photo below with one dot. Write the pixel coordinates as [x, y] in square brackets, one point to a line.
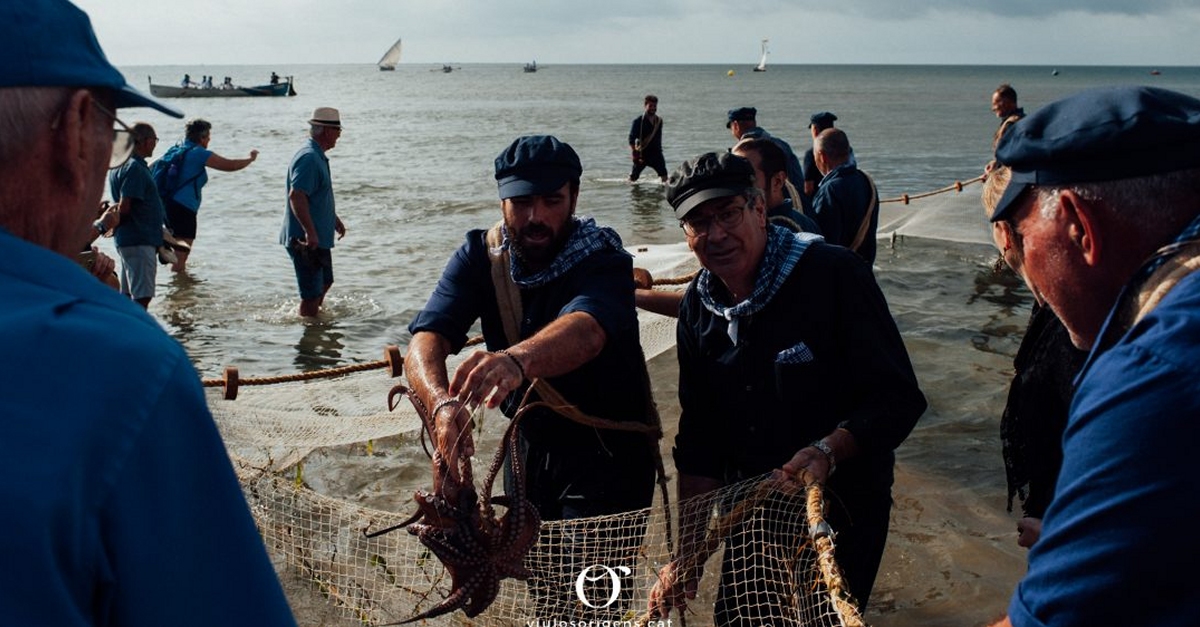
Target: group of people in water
[790, 362]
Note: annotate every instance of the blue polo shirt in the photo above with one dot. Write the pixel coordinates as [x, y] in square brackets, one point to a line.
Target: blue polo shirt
[309, 173]
[117, 499]
[143, 225]
[1119, 540]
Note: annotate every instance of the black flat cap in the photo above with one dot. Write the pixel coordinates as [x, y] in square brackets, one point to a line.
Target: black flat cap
[536, 164]
[706, 177]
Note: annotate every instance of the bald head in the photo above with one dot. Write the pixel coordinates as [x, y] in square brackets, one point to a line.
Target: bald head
[831, 148]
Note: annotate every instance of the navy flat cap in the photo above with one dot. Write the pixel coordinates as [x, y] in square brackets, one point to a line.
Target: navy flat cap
[740, 114]
[706, 177]
[1101, 134]
[536, 164]
[822, 120]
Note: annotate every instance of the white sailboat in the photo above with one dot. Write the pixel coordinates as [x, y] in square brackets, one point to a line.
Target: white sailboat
[762, 63]
[390, 58]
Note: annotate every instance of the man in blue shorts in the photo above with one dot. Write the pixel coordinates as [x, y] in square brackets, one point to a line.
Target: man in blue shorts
[310, 219]
[1104, 204]
[118, 502]
[139, 233]
[559, 308]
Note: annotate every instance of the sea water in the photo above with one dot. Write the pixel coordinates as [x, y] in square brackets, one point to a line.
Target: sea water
[412, 172]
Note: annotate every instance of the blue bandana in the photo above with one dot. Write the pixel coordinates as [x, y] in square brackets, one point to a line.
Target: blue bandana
[587, 238]
[784, 250]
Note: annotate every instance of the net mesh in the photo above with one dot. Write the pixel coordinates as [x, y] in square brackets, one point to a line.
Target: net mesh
[767, 536]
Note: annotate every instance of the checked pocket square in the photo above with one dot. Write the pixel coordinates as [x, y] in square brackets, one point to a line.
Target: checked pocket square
[798, 354]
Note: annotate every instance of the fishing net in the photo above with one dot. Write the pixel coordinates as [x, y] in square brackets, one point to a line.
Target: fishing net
[767, 535]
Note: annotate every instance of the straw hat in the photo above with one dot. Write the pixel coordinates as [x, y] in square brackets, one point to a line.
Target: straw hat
[326, 116]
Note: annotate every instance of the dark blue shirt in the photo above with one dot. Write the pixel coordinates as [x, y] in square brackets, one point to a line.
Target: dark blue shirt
[613, 385]
[117, 499]
[143, 225]
[786, 216]
[841, 203]
[1120, 538]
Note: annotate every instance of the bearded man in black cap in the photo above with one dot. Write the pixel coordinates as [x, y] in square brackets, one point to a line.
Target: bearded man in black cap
[1104, 209]
[790, 360]
[554, 293]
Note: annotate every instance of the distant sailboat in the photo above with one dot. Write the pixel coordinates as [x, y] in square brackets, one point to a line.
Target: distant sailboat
[390, 58]
[762, 63]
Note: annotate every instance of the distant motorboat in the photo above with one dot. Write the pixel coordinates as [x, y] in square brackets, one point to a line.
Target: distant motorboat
[1155, 73]
[282, 88]
[388, 62]
[762, 62]
[446, 69]
[531, 67]
[1053, 72]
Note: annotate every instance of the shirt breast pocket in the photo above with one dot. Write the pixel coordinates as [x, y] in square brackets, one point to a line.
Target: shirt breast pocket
[796, 371]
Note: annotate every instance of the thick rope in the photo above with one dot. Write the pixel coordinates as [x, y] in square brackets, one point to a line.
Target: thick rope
[303, 376]
[956, 187]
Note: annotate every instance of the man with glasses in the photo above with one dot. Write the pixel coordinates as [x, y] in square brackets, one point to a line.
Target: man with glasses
[139, 233]
[1103, 205]
[788, 359]
[118, 500]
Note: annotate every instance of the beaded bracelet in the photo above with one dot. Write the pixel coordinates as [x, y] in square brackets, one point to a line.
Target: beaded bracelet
[504, 351]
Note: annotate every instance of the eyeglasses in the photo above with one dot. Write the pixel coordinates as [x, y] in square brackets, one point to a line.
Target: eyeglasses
[122, 140]
[728, 219]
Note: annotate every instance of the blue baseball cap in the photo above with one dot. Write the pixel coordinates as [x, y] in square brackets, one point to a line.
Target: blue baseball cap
[1101, 134]
[50, 43]
[706, 177]
[536, 164]
[740, 114]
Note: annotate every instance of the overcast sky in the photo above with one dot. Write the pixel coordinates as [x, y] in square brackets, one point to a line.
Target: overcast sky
[1020, 32]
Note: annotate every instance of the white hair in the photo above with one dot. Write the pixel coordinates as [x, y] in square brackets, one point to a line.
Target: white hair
[26, 112]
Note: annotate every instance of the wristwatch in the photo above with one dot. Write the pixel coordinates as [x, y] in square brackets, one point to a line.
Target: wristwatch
[823, 446]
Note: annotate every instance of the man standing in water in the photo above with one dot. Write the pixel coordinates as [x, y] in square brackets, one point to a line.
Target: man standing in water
[554, 294]
[118, 500]
[645, 141]
[140, 231]
[1104, 208]
[310, 220]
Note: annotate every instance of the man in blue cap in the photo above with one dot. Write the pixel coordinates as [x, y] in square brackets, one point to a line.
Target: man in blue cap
[1104, 204]
[120, 505]
[554, 294]
[743, 124]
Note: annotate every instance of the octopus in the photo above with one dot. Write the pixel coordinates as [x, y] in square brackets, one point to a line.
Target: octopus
[477, 548]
